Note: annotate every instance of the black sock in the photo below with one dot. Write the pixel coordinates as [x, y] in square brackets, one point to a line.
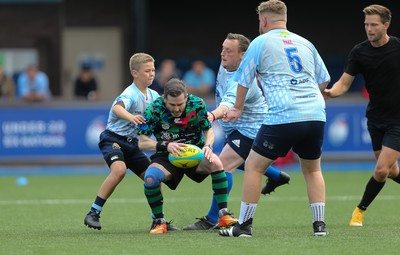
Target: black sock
[397, 178]
[371, 191]
[99, 202]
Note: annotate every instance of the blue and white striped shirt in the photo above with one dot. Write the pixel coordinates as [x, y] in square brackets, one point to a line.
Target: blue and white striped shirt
[136, 103]
[289, 69]
[254, 110]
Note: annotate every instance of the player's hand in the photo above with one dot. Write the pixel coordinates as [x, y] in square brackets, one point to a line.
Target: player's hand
[327, 93]
[208, 153]
[138, 119]
[232, 114]
[176, 148]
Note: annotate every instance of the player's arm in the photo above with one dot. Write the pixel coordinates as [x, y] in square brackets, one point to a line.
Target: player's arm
[340, 87]
[240, 97]
[119, 110]
[217, 113]
[235, 112]
[209, 138]
[147, 144]
[228, 100]
[323, 85]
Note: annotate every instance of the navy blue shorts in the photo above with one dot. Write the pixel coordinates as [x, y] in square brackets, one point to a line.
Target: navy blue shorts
[384, 134]
[305, 138]
[239, 143]
[176, 172]
[119, 148]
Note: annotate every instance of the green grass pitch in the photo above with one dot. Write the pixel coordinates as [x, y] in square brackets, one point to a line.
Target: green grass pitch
[46, 217]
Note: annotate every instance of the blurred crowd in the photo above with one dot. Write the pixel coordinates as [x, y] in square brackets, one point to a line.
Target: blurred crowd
[199, 79]
[32, 85]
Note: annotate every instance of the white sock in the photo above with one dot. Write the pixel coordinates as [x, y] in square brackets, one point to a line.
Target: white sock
[318, 211]
[247, 211]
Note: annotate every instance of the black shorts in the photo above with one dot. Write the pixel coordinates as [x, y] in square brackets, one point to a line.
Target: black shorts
[119, 148]
[384, 134]
[239, 143]
[176, 172]
[305, 138]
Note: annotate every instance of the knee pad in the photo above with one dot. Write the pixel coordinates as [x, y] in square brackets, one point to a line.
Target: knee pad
[153, 177]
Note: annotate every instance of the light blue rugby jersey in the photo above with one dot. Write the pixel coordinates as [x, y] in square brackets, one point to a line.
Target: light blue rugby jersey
[254, 110]
[289, 69]
[135, 102]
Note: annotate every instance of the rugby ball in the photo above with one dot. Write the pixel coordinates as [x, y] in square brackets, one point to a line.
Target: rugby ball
[191, 157]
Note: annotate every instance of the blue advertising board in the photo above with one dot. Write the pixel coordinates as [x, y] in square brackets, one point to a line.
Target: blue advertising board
[32, 133]
[346, 132]
[72, 133]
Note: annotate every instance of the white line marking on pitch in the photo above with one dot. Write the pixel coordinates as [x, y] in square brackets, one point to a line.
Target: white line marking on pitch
[178, 200]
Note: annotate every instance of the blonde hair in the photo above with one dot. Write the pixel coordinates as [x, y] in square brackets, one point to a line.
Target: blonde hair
[276, 10]
[380, 10]
[138, 59]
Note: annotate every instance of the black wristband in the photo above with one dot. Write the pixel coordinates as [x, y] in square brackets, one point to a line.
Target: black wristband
[162, 146]
[213, 115]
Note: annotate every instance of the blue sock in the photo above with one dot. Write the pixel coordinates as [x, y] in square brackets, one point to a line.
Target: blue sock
[273, 173]
[212, 215]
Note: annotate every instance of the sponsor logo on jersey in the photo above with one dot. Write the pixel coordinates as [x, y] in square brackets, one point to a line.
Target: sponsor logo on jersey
[295, 81]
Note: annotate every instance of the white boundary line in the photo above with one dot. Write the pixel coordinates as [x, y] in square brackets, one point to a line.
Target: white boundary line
[180, 200]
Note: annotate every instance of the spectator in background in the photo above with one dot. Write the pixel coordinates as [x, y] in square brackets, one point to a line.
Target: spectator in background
[86, 85]
[166, 71]
[200, 79]
[7, 86]
[33, 85]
